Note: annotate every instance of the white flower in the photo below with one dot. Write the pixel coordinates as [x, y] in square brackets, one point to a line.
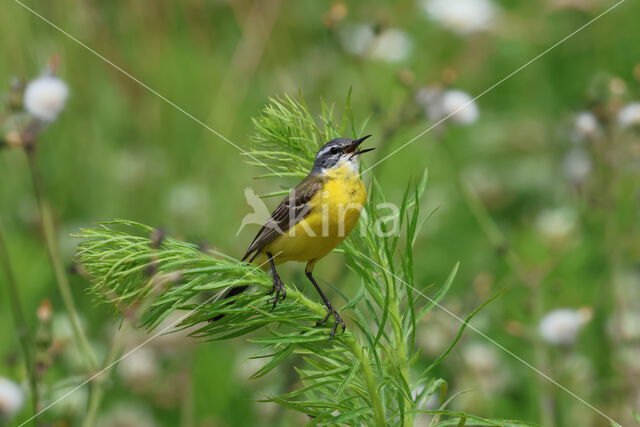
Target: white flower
[11, 398]
[391, 45]
[357, 38]
[556, 225]
[453, 104]
[45, 97]
[577, 165]
[561, 326]
[629, 115]
[586, 125]
[462, 16]
[461, 106]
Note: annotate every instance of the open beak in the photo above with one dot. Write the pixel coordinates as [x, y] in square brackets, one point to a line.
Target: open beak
[353, 149]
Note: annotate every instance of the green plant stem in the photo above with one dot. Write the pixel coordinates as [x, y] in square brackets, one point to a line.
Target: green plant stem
[400, 350]
[370, 381]
[48, 229]
[97, 391]
[22, 328]
[95, 399]
[358, 351]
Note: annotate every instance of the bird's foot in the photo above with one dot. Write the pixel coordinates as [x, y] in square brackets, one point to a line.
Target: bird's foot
[279, 291]
[338, 320]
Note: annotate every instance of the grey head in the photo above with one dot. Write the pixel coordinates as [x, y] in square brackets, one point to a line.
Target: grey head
[334, 152]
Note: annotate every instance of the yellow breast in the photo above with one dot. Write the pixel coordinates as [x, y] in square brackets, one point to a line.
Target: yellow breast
[334, 213]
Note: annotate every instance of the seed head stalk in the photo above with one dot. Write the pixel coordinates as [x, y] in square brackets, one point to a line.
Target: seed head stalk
[48, 229]
[22, 327]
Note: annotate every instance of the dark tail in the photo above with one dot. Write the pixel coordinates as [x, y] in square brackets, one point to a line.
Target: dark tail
[236, 290]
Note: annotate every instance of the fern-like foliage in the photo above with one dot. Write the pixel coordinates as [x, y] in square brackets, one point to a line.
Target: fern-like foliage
[365, 376]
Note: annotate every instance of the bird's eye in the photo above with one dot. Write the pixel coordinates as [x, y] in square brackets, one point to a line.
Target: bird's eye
[334, 150]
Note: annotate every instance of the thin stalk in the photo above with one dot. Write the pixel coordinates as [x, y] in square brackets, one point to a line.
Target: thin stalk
[97, 390]
[400, 350]
[22, 328]
[370, 381]
[95, 399]
[608, 152]
[48, 228]
[360, 354]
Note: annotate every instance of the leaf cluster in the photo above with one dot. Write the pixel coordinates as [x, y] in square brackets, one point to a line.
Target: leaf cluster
[365, 376]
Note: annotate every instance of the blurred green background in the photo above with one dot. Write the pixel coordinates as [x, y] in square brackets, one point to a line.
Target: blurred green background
[564, 198]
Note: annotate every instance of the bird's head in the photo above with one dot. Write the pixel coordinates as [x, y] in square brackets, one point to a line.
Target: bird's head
[336, 152]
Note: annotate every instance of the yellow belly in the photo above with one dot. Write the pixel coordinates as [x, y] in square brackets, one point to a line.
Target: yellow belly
[334, 213]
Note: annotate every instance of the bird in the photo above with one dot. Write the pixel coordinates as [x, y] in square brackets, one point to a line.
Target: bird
[312, 220]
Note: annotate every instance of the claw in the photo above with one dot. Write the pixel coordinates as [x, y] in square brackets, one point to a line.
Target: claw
[338, 320]
[279, 290]
[323, 321]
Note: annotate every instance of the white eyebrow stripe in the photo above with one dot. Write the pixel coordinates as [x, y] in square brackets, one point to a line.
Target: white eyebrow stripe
[324, 151]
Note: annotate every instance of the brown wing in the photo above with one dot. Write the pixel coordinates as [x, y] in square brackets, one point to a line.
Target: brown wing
[289, 212]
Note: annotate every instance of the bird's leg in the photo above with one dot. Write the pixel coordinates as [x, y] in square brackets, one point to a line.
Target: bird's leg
[308, 271]
[278, 286]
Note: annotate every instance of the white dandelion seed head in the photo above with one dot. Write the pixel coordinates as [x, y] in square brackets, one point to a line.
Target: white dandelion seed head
[462, 16]
[357, 38]
[577, 165]
[561, 326]
[453, 105]
[460, 106]
[45, 97]
[629, 115]
[556, 225]
[391, 44]
[11, 398]
[585, 125]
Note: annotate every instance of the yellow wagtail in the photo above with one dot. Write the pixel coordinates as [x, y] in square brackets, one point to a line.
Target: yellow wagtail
[316, 216]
